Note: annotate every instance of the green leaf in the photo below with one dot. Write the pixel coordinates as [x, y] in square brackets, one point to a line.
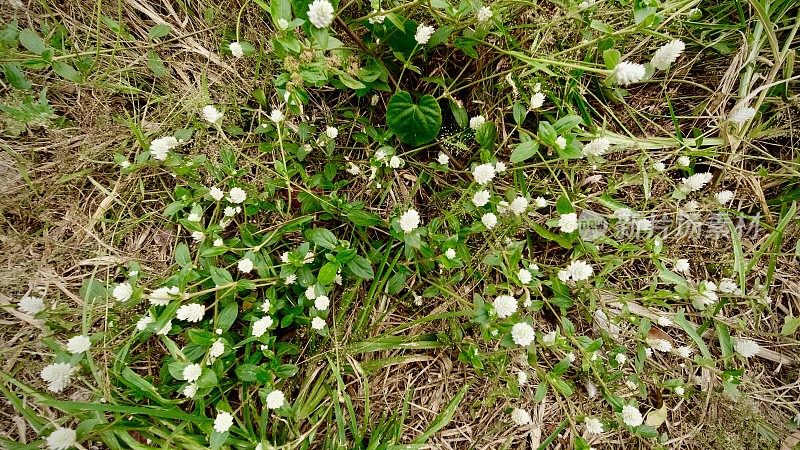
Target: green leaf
[611, 58]
[323, 237]
[459, 114]
[156, 64]
[15, 77]
[363, 218]
[790, 325]
[328, 272]
[66, 71]
[228, 315]
[158, 30]
[486, 135]
[689, 329]
[182, 255]
[444, 417]
[396, 283]
[217, 439]
[361, 268]
[524, 150]
[247, 372]
[414, 124]
[31, 41]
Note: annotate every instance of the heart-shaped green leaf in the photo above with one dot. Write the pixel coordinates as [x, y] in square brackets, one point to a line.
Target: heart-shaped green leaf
[415, 124]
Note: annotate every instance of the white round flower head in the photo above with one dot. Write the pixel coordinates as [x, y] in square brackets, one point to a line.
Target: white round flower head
[276, 115]
[596, 147]
[317, 323]
[695, 182]
[245, 265]
[211, 114]
[481, 198]
[322, 302]
[579, 270]
[667, 54]
[423, 34]
[443, 159]
[395, 162]
[643, 225]
[489, 220]
[593, 425]
[621, 358]
[523, 334]
[189, 390]
[217, 349]
[682, 265]
[218, 242]
[61, 439]
[261, 325]
[505, 306]
[500, 167]
[537, 100]
[679, 390]
[275, 399]
[659, 167]
[540, 202]
[192, 372]
[524, 276]
[483, 173]
[237, 195]
[144, 321]
[561, 142]
[728, 286]
[161, 146]
[311, 292]
[684, 351]
[519, 205]
[165, 329]
[378, 18]
[484, 14]
[450, 253]
[476, 122]
[631, 416]
[723, 197]
[683, 161]
[661, 345]
[192, 312]
[409, 221]
[320, 13]
[628, 73]
[332, 132]
[78, 344]
[741, 115]
[282, 23]
[624, 214]
[216, 193]
[746, 347]
[223, 422]
[236, 49]
[198, 236]
[31, 305]
[58, 376]
[122, 292]
[522, 378]
[229, 211]
[520, 417]
[568, 222]
[549, 338]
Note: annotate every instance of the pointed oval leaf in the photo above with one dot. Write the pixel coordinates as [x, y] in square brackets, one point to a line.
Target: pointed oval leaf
[414, 123]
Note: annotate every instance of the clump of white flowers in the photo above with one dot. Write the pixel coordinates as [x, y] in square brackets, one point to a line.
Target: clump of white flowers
[275, 399]
[261, 326]
[58, 376]
[505, 306]
[317, 323]
[236, 49]
[223, 422]
[61, 438]
[423, 34]
[568, 222]
[320, 13]
[667, 54]
[159, 148]
[31, 305]
[596, 147]
[723, 197]
[78, 344]
[476, 122]
[122, 292]
[192, 372]
[237, 195]
[746, 348]
[489, 220]
[695, 182]
[245, 265]
[481, 198]
[518, 206]
[523, 334]
[577, 271]
[211, 114]
[192, 312]
[741, 115]
[484, 14]
[593, 425]
[626, 73]
[631, 416]
[524, 276]
[520, 416]
[409, 221]
[483, 173]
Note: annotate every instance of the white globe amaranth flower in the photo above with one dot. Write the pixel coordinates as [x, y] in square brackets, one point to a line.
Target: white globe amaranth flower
[261, 326]
[679, 390]
[684, 351]
[322, 302]
[58, 376]
[579, 270]
[61, 439]
[593, 425]
[728, 286]
[724, 197]
[746, 348]
[481, 198]
[396, 162]
[311, 292]
[659, 167]
[189, 390]
[320, 13]
[211, 114]
[78, 344]
[409, 221]
[223, 422]
[144, 321]
[476, 122]
[31, 305]
[192, 372]
[237, 195]
[282, 23]
[682, 265]
[695, 182]
[443, 159]
[236, 49]
[489, 220]
[484, 14]
[568, 223]
[667, 54]
[561, 142]
[276, 115]
[624, 214]
[518, 206]
[631, 416]
[332, 132]
[520, 417]
[505, 306]
[540, 202]
[377, 17]
[524, 276]
[317, 323]
[217, 349]
[741, 115]
[450, 253]
[626, 73]
[620, 358]
[122, 292]
[161, 146]
[216, 193]
[537, 100]
[523, 334]
[522, 377]
[165, 329]
[245, 265]
[423, 34]
[596, 147]
[192, 312]
[661, 345]
[483, 173]
[275, 399]
[549, 338]
[500, 167]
